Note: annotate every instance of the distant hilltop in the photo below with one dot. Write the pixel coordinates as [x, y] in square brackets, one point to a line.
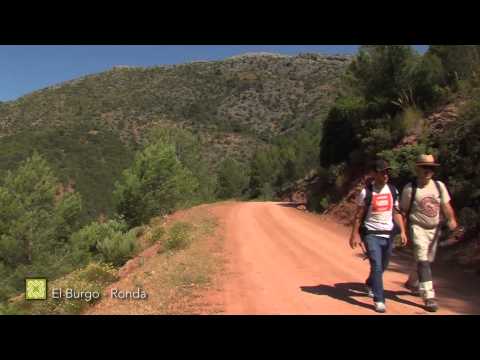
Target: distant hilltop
[122, 66]
[258, 54]
[313, 56]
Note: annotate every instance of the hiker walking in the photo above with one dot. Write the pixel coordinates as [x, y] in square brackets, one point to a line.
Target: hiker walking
[378, 207]
[421, 202]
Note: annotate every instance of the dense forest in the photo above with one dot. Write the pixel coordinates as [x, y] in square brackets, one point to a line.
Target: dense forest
[388, 107]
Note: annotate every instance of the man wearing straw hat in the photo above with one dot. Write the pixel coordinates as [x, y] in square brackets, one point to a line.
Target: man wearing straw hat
[421, 201]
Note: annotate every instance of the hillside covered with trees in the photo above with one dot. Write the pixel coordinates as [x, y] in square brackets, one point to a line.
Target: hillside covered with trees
[89, 128]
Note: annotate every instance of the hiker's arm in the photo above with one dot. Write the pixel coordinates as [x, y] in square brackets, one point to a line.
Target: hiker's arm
[354, 239]
[450, 215]
[405, 203]
[398, 218]
[405, 200]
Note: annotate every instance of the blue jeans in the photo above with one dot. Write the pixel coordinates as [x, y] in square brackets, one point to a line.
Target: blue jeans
[379, 251]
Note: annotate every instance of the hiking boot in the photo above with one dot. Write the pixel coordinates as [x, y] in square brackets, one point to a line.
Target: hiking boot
[431, 305]
[380, 307]
[369, 291]
[413, 289]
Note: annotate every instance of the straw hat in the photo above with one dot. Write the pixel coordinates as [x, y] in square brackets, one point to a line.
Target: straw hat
[426, 160]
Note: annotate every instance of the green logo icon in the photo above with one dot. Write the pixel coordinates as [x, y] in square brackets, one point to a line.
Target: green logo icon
[35, 289]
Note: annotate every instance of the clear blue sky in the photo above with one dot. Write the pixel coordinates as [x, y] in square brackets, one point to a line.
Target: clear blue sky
[24, 69]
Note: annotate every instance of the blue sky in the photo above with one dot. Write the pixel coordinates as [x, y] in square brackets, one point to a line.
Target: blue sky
[24, 69]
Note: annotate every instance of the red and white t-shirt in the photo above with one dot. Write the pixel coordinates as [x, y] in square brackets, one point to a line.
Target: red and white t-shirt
[379, 214]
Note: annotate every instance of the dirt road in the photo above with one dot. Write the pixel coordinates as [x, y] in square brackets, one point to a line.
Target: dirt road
[284, 261]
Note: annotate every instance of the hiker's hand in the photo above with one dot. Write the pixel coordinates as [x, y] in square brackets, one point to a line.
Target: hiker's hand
[404, 239]
[354, 241]
[452, 224]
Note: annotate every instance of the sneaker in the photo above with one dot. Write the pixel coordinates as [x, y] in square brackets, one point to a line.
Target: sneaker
[380, 307]
[369, 291]
[431, 305]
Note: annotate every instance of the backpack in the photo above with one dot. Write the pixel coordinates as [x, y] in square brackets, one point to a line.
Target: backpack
[368, 201]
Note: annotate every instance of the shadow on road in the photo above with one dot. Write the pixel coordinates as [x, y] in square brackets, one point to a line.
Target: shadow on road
[456, 290]
[346, 291]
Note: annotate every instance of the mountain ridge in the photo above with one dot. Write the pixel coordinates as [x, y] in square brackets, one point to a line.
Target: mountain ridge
[233, 106]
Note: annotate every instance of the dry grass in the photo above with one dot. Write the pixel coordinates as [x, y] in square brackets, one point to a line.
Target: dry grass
[175, 280]
[92, 278]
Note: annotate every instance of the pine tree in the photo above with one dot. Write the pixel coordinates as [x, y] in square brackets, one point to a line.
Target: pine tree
[33, 221]
[35, 224]
[156, 184]
[232, 179]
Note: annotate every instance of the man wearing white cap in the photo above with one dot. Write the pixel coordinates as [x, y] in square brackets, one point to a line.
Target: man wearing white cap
[421, 202]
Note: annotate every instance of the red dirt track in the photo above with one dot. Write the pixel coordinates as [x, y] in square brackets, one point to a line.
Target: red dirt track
[284, 261]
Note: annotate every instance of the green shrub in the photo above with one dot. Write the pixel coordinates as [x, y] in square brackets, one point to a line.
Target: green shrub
[339, 139]
[265, 167]
[118, 247]
[468, 218]
[324, 203]
[233, 179]
[460, 158]
[320, 197]
[334, 173]
[7, 286]
[179, 236]
[139, 230]
[157, 234]
[109, 241]
[11, 309]
[99, 273]
[402, 160]
[377, 139]
[267, 192]
[85, 242]
[411, 121]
